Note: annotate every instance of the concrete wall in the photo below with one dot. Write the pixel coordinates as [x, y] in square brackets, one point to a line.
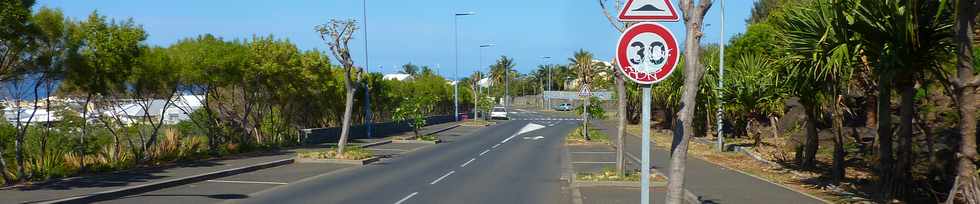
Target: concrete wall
[378, 130]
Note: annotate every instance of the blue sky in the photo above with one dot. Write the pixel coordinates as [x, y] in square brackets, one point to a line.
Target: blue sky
[419, 31]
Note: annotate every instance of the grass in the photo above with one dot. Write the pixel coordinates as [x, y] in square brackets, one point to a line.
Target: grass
[609, 174]
[350, 153]
[595, 136]
[419, 138]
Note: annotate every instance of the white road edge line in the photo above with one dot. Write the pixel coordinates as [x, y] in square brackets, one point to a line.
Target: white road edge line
[407, 197]
[467, 162]
[484, 152]
[440, 178]
[495, 146]
[247, 182]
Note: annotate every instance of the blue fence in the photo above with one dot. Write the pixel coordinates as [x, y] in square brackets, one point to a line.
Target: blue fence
[332, 135]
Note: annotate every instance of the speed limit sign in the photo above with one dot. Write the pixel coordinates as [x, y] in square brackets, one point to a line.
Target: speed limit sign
[647, 53]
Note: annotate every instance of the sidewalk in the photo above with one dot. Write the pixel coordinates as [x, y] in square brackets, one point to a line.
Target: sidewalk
[713, 183]
[116, 181]
[86, 185]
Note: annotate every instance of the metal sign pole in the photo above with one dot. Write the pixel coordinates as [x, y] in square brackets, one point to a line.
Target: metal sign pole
[645, 147]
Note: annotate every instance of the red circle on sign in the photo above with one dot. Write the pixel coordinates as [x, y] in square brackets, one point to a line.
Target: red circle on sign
[622, 48]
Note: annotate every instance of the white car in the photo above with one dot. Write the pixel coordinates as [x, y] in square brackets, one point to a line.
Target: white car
[498, 113]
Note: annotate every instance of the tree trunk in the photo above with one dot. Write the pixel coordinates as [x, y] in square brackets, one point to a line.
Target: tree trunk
[348, 108]
[693, 71]
[81, 138]
[966, 187]
[839, 169]
[585, 117]
[903, 172]
[812, 143]
[621, 127]
[885, 162]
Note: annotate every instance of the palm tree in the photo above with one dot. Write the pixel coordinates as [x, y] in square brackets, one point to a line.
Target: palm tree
[816, 39]
[410, 69]
[582, 61]
[911, 37]
[755, 90]
[967, 184]
[499, 74]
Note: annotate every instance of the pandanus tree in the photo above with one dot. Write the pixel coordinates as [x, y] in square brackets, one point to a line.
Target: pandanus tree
[907, 38]
[966, 188]
[819, 49]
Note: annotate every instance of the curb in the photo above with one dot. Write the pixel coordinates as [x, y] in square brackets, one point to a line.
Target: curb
[110, 194]
[375, 143]
[361, 162]
[391, 141]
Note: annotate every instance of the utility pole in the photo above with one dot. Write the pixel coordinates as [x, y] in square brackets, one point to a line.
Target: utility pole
[721, 82]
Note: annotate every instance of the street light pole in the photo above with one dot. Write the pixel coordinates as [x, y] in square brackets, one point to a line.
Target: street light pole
[456, 69]
[721, 81]
[548, 66]
[367, 68]
[488, 74]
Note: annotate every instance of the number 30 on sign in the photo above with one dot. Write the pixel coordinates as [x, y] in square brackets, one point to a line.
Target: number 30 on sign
[647, 53]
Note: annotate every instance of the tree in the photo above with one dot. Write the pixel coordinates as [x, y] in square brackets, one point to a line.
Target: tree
[819, 54]
[910, 37]
[14, 36]
[337, 34]
[410, 69]
[966, 186]
[693, 21]
[500, 73]
[109, 52]
[582, 61]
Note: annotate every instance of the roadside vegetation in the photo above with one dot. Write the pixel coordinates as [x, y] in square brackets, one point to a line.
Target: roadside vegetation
[252, 95]
[610, 174]
[352, 153]
[850, 100]
[595, 136]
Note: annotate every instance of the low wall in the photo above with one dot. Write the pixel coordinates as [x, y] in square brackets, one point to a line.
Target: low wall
[378, 130]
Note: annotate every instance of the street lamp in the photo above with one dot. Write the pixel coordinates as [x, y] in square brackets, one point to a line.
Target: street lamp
[478, 68]
[547, 66]
[456, 69]
[367, 68]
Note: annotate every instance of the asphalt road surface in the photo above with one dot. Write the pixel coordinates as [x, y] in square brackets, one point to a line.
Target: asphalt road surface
[516, 161]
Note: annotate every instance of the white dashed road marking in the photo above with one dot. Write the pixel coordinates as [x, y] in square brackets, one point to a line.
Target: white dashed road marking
[484, 152]
[467, 162]
[443, 176]
[407, 197]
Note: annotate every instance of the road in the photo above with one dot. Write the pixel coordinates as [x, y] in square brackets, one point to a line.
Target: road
[516, 161]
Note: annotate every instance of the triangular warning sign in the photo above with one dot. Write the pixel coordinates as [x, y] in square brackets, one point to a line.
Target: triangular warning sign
[648, 10]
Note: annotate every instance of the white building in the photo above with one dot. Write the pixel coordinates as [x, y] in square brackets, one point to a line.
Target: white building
[397, 77]
[179, 109]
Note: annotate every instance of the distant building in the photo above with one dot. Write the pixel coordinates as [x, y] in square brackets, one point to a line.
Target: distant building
[179, 109]
[397, 77]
